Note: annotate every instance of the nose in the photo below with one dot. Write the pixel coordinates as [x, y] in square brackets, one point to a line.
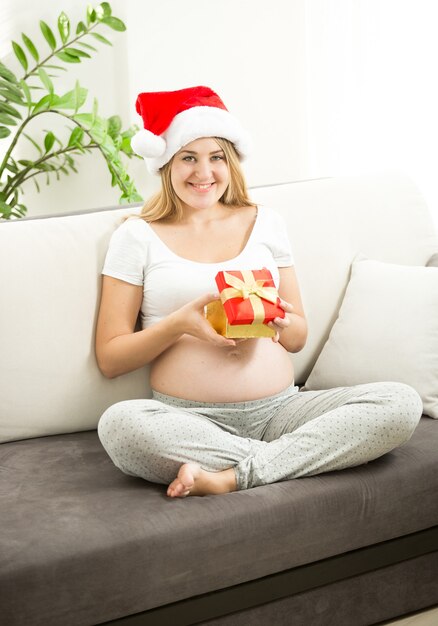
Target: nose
[203, 170]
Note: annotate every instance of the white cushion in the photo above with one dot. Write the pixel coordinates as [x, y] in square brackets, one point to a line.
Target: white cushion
[387, 330]
[50, 285]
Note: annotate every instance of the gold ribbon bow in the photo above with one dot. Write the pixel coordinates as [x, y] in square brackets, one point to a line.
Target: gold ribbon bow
[251, 289]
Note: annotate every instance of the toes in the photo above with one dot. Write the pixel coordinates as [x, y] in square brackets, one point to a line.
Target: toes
[184, 482]
[178, 491]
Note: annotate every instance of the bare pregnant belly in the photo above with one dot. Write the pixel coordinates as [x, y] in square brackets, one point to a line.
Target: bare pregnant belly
[196, 370]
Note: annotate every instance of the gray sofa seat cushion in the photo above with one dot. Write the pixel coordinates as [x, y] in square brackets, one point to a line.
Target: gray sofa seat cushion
[79, 533]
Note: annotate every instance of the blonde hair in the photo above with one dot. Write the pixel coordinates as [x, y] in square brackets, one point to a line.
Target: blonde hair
[166, 205]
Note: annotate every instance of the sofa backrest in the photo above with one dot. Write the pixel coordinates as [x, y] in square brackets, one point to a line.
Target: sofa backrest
[50, 281]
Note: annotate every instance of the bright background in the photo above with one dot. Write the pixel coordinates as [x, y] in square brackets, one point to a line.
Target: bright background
[326, 87]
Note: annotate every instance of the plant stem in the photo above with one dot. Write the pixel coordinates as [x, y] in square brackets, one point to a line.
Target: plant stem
[55, 52]
[12, 146]
[52, 54]
[20, 178]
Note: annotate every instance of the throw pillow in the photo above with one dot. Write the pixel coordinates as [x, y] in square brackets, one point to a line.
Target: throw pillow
[387, 330]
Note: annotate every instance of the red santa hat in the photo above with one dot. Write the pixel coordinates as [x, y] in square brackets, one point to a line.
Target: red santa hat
[172, 119]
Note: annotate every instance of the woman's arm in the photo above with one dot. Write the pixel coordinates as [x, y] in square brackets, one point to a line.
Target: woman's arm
[120, 350]
[292, 329]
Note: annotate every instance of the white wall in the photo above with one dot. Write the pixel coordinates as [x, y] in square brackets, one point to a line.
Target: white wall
[249, 52]
[326, 87]
[372, 95]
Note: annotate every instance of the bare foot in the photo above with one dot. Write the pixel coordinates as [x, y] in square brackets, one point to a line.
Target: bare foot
[192, 480]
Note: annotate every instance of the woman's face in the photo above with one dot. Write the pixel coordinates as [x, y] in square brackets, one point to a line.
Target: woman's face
[200, 174]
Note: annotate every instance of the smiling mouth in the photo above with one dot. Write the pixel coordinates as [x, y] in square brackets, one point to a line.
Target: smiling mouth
[202, 187]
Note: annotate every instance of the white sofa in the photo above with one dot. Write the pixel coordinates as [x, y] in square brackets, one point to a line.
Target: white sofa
[81, 543]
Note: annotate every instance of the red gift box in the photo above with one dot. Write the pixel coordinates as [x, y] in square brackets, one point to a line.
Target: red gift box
[249, 296]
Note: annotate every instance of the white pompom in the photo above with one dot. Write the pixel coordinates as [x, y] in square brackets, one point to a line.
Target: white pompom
[148, 145]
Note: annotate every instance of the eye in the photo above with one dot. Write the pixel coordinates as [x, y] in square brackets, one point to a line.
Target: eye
[189, 158]
[218, 157]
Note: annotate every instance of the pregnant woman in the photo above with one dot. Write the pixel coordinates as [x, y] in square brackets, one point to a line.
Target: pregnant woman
[224, 413]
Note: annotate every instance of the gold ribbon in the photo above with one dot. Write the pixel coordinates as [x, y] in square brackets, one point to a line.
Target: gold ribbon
[251, 289]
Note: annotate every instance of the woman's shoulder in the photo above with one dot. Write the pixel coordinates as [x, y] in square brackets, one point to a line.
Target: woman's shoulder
[134, 223]
[269, 217]
[133, 227]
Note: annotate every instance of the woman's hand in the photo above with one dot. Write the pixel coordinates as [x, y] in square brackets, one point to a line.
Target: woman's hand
[190, 319]
[281, 323]
[120, 349]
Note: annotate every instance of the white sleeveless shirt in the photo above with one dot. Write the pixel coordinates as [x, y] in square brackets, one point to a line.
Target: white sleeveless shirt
[138, 256]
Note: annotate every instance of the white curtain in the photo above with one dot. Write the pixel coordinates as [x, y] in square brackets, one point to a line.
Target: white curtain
[372, 72]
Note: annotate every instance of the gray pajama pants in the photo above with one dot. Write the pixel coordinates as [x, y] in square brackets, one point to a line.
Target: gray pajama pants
[288, 435]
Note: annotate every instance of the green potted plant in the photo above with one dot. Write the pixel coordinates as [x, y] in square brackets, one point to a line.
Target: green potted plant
[25, 98]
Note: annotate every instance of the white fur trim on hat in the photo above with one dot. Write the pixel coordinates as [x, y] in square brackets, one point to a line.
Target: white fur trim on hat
[146, 144]
[194, 123]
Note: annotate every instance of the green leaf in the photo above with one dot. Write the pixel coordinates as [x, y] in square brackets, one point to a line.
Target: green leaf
[7, 119]
[99, 132]
[43, 104]
[64, 56]
[14, 200]
[56, 67]
[114, 126]
[45, 80]
[101, 38]
[19, 53]
[4, 132]
[33, 142]
[48, 35]
[71, 163]
[49, 140]
[76, 52]
[85, 119]
[21, 210]
[30, 46]
[7, 74]
[76, 137]
[81, 28]
[11, 96]
[25, 162]
[5, 210]
[45, 167]
[114, 23]
[86, 45]
[72, 99]
[109, 149]
[126, 146]
[91, 15]
[7, 108]
[103, 10]
[106, 8]
[135, 197]
[11, 167]
[64, 26]
[10, 87]
[78, 97]
[36, 185]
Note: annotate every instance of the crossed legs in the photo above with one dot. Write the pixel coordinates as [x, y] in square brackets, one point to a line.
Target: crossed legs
[306, 433]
